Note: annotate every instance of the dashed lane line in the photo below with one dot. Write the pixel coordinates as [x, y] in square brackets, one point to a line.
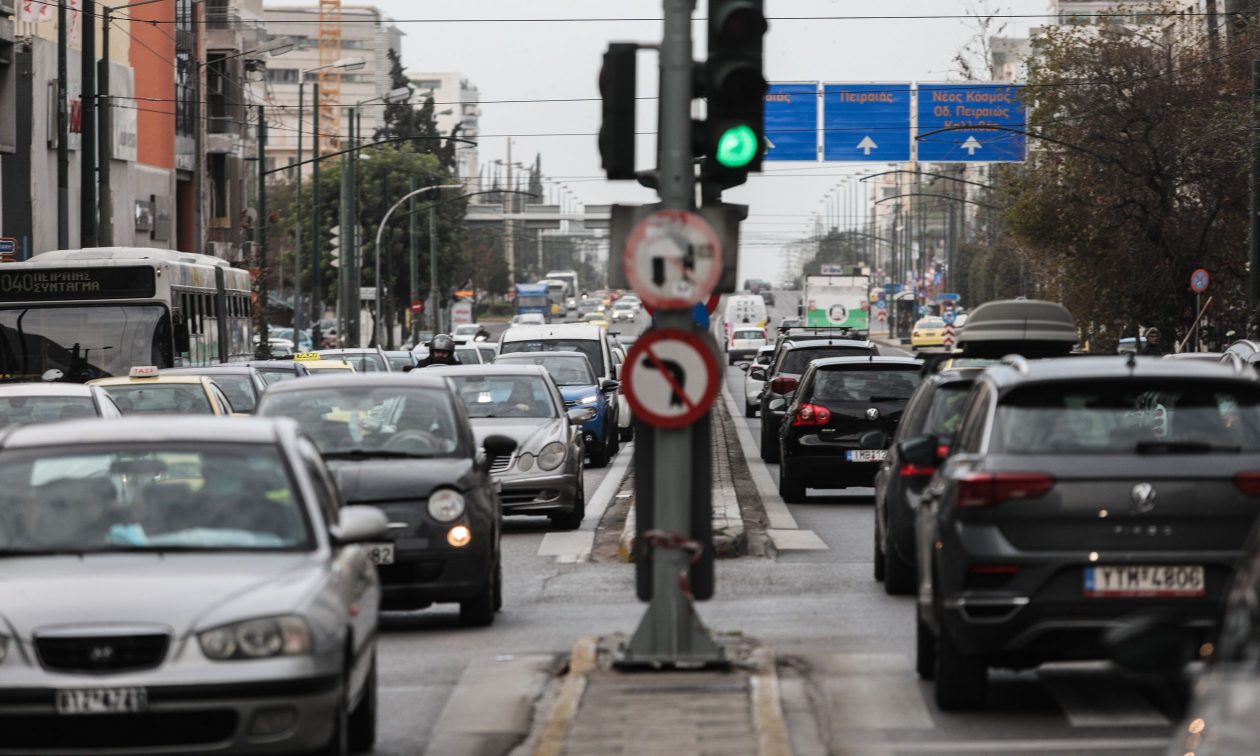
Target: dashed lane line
[575, 546]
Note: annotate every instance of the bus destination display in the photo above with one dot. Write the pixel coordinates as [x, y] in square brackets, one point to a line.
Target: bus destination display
[130, 282]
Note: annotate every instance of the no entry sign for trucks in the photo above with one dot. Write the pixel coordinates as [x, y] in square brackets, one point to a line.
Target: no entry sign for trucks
[673, 259]
[671, 378]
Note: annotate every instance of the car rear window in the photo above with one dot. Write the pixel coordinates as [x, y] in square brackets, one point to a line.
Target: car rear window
[1143, 417]
[796, 360]
[865, 383]
[44, 409]
[948, 403]
[588, 347]
[749, 335]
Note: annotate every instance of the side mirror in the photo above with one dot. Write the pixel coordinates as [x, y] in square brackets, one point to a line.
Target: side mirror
[579, 415]
[757, 374]
[607, 385]
[745, 366]
[919, 451]
[499, 446]
[784, 385]
[356, 524]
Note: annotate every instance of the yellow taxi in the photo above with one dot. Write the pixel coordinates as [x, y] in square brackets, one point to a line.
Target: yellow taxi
[316, 364]
[928, 332]
[596, 319]
[145, 392]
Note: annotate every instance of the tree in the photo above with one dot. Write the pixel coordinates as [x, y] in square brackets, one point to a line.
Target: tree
[405, 121]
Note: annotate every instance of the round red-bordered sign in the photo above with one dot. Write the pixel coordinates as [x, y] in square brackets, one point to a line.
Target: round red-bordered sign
[711, 305]
[1200, 280]
[670, 378]
[673, 259]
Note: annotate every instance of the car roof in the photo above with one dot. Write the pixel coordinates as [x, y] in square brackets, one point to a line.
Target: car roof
[150, 428]
[1018, 371]
[519, 356]
[238, 369]
[462, 371]
[161, 378]
[44, 388]
[857, 361]
[820, 343]
[355, 380]
[1019, 326]
[349, 350]
[289, 365]
[557, 331]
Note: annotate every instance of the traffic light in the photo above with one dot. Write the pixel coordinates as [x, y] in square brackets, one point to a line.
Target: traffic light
[617, 80]
[732, 137]
[334, 245]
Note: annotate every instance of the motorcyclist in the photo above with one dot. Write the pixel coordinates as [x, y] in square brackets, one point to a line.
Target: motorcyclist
[482, 334]
[1152, 347]
[441, 352]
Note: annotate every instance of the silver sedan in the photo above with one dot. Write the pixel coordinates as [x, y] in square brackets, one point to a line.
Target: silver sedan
[169, 587]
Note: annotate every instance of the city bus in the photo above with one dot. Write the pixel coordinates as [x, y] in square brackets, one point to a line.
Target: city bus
[77, 315]
[533, 298]
[557, 292]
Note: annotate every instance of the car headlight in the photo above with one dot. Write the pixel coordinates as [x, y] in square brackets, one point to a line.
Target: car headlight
[257, 639]
[551, 456]
[446, 504]
[592, 399]
[525, 462]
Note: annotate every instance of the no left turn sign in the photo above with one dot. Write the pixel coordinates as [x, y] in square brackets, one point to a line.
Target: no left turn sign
[673, 259]
[671, 378]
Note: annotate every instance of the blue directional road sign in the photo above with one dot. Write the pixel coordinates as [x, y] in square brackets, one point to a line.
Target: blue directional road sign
[944, 107]
[792, 122]
[866, 123]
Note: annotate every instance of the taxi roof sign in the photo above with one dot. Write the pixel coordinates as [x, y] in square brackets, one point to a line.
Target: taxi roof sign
[308, 356]
[144, 371]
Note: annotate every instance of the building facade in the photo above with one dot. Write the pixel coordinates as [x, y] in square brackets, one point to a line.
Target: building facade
[456, 102]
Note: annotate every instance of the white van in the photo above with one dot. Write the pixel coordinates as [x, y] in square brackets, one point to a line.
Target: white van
[563, 337]
[744, 310]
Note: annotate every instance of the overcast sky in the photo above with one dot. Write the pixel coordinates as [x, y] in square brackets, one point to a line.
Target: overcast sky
[557, 60]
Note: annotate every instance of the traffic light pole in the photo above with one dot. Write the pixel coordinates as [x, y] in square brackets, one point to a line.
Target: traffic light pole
[670, 633]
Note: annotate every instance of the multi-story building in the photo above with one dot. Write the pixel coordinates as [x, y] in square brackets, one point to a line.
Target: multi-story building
[457, 102]
[364, 33]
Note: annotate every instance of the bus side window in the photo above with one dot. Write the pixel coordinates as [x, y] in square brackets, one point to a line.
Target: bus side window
[182, 344]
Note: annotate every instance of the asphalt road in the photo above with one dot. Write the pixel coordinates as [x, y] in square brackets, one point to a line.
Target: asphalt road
[853, 642]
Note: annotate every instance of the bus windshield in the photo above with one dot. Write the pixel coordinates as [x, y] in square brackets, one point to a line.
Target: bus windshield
[83, 342]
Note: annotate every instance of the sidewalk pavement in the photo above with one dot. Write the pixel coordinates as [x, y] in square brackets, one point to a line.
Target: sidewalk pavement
[598, 709]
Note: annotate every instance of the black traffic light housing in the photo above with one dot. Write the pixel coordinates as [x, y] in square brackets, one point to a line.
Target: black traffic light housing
[732, 138]
[617, 81]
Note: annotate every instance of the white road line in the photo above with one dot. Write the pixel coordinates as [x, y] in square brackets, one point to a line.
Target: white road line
[873, 692]
[493, 701]
[1091, 700]
[575, 546]
[1048, 745]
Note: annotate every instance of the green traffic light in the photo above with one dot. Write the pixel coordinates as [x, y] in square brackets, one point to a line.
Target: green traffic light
[737, 146]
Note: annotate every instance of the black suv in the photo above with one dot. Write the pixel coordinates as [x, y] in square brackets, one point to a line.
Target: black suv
[842, 418]
[935, 409]
[790, 360]
[1081, 497]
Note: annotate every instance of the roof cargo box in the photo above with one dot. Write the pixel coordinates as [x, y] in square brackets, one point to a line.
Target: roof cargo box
[1018, 326]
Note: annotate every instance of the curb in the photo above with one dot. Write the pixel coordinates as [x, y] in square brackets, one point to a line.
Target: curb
[555, 731]
[768, 719]
[625, 544]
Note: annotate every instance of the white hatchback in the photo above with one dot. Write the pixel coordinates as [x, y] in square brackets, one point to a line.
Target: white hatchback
[744, 343]
[752, 386]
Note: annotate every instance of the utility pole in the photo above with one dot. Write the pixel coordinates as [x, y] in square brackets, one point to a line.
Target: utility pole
[297, 215]
[260, 239]
[105, 139]
[345, 222]
[413, 278]
[63, 133]
[435, 311]
[317, 266]
[1253, 282]
[87, 148]
[353, 275]
[510, 229]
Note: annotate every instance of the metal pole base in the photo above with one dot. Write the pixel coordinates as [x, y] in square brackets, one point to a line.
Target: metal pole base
[671, 636]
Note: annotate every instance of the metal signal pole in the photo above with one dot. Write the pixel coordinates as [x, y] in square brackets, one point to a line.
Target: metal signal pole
[1253, 282]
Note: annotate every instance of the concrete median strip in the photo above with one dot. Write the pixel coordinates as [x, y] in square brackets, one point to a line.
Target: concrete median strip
[491, 709]
[575, 546]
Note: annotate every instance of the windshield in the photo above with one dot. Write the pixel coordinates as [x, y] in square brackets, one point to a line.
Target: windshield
[1127, 418]
[865, 383]
[213, 497]
[363, 362]
[467, 329]
[239, 390]
[401, 362]
[533, 300]
[796, 360]
[371, 421]
[588, 347]
[273, 376]
[565, 370]
[750, 335]
[83, 342]
[161, 399]
[44, 409]
[505, 396]
[468, 355]
[946, 411]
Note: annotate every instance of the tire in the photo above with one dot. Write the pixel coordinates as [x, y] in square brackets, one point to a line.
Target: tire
[362, 723]
[899, 575]
[750, 410]
[572, 520]
[924, 648]
[961, 680]
[792, 492]
[626, 434]
[878, 559]
[339, 743]
[600, 455]
[769, 444]
[498, 585]
[478, 611]
[614, 438]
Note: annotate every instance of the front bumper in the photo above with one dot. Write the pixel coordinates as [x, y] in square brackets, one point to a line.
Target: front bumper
[433, 574]
[525, 494]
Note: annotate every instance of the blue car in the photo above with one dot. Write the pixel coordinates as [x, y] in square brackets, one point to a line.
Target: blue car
[580, 387]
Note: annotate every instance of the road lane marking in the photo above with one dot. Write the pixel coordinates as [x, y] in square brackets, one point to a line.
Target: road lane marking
[1047, 745]
[873, 692]
[1092, 700]
[796, 540]
[575, 546]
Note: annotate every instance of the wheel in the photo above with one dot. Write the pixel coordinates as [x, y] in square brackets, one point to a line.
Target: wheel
[498, 585]
[961, 680]
[479, 610]
[878, 560]
[614, 438]
[600, 455]
[626, 434]
[571, 520]
[899, 577]
[362, 722]
[791, 491]
[730, 359]
[924, 648]
[750, 410]
[769, 443]
[339, 743]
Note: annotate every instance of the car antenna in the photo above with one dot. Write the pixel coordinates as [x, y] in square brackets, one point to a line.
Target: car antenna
[1131, 363]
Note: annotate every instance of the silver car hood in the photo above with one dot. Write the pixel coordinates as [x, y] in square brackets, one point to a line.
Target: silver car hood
[181, 591]
[530, 434]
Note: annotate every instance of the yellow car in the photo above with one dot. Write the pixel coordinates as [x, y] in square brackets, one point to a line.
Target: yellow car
[145, 392]
[928, 332]
[595, 318]
[315, 363]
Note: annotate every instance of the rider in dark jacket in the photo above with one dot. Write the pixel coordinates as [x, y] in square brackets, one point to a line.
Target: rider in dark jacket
[441, 352]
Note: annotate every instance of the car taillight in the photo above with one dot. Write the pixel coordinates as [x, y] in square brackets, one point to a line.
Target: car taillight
[978, 490]
[942, 451]
[811, 415]
[916, 471]
[1248, 483]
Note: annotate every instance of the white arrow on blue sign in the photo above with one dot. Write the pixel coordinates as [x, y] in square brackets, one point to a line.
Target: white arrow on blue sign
[792, 122]
[866, 122]
[945, 107]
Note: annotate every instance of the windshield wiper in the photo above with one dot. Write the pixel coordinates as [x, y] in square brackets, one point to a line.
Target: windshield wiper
[889, 398]
[41, 552]
[1182, 447]
[366, 453]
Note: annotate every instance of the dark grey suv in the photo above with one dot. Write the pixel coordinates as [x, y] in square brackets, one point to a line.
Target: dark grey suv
[1081, 496]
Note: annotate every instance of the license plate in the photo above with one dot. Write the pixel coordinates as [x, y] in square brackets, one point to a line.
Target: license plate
[381, 553]
[866, 455]
[102, 701]
[1145, 581]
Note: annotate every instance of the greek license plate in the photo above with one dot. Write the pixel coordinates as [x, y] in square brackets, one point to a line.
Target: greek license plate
[866, 455]
[1145, 581]
[381, 553]
[102, 701]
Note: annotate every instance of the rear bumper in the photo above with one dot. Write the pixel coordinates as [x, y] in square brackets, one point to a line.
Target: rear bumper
[742, 354]
[828, 471]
